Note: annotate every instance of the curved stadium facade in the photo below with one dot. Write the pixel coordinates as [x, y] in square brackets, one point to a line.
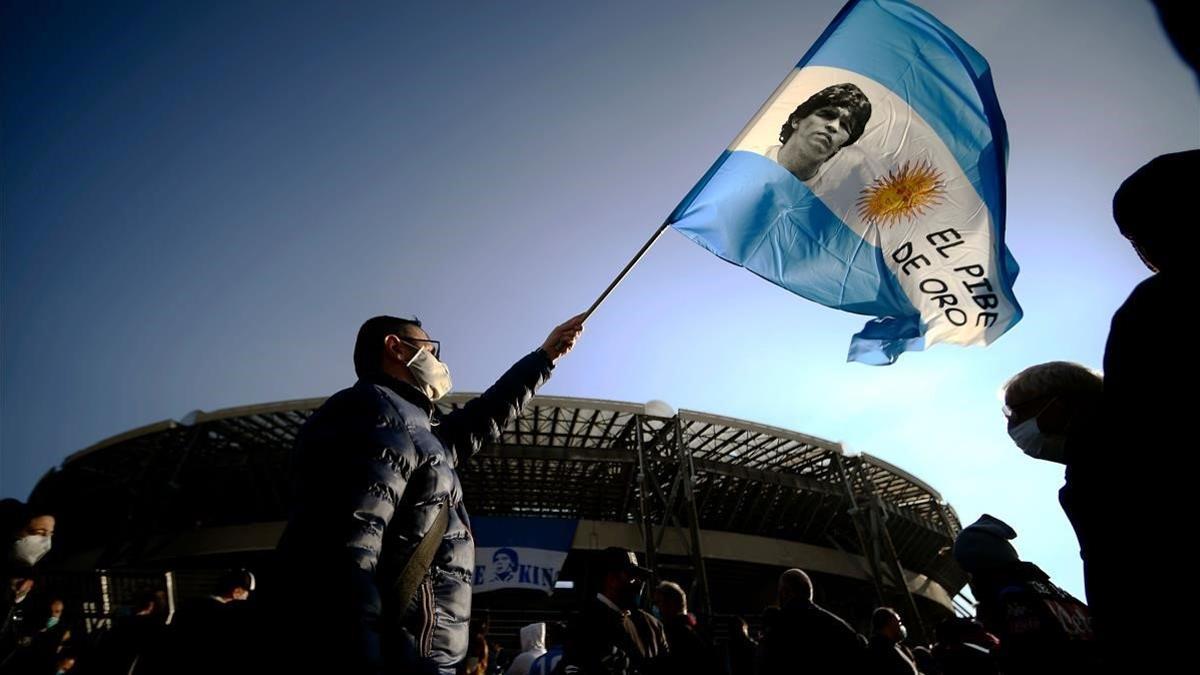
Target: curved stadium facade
[717, 504]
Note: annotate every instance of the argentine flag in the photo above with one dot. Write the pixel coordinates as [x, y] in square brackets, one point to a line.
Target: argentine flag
[872, 181]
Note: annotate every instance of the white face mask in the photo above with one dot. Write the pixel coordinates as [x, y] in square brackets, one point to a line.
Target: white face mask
[432, 376]
[30, 548]
[1029, 437]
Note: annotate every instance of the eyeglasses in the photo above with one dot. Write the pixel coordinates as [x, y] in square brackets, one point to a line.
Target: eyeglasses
[435, 349]
[1010, 411]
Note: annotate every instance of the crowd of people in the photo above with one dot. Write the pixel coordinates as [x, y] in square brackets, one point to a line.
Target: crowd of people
[43, 633]
[612, 633]
[1025, 625]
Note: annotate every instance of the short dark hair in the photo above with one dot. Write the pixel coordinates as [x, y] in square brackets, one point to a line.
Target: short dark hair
[512, 555]
[14, 516]
[843, 95]
[882, 617]
[235, 579]
[797, 583]
[368, 348]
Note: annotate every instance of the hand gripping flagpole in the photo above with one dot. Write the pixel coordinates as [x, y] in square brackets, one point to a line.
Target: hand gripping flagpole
[645, 247]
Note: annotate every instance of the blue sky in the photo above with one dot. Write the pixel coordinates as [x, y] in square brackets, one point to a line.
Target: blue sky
[202, 202]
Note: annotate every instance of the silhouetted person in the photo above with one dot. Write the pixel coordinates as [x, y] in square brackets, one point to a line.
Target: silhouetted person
[1179, 21]
[804, 637]
[611, 635]
[741, 648]
[135, 642]
[886, 654]
[1054, 413]
[690, 651]
[26, 535]
[216, 633]
[1041, 628]
[1139, 499]
[964, 647]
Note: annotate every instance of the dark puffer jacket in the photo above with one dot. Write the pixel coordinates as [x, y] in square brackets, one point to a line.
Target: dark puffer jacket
[370, 469]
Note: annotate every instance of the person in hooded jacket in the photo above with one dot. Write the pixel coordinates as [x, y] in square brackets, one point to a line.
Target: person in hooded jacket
[1042, 629]
[533, 645]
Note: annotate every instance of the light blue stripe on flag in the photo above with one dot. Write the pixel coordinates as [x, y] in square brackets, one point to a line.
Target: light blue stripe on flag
[938, 271]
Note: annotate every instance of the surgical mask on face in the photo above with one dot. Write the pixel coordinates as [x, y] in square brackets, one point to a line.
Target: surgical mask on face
[30, 548]
[432, 376]
[52, 622]
[1030, 438]
[903, 632]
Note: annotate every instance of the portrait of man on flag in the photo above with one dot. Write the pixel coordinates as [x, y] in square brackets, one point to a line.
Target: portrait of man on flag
[504, 564]
[872, 181]
[819, 127]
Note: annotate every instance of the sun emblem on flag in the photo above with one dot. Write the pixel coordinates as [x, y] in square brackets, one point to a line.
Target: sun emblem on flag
[905, 193]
